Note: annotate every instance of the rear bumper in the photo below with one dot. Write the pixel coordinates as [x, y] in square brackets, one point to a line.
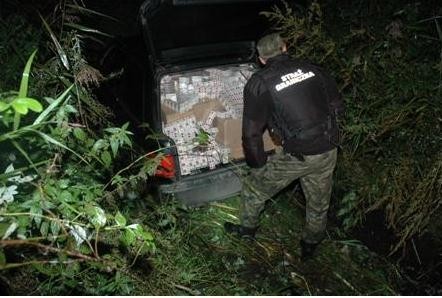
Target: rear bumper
[205, 187]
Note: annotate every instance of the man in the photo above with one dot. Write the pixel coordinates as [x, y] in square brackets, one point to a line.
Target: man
[299, 102]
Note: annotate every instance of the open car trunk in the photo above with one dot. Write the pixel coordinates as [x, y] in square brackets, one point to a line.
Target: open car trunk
[202, 113]
[200, 54]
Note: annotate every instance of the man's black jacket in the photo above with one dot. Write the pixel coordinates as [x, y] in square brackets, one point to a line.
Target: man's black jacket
[296, 94]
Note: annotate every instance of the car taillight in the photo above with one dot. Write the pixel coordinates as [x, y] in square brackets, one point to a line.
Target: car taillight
[166, 168]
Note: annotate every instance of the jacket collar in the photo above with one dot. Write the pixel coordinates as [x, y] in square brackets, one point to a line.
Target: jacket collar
[280, 57]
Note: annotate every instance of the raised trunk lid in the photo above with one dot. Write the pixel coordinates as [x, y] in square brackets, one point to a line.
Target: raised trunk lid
[177, 30]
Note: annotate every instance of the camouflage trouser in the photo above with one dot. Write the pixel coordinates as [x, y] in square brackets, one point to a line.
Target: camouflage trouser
[316, 177]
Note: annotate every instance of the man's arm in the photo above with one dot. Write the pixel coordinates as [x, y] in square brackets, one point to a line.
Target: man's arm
[257, 107]
[253, 144]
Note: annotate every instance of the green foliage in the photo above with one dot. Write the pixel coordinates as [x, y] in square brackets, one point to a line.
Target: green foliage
[209, 261]
[391, 117]
[202, 137]
[62, 190]
[304, 32]
[71, 279]
[53, 196]
[413, 203]
[348, 205]
[21, 104]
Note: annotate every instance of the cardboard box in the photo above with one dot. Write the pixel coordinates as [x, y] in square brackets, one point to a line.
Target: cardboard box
[200, 110]
[230, 135]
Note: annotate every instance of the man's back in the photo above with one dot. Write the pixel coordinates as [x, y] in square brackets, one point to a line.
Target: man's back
[301, 98]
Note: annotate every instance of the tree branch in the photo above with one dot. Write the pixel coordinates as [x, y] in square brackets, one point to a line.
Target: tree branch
[71, 253]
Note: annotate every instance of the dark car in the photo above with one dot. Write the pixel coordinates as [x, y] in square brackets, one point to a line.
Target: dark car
[199, 55]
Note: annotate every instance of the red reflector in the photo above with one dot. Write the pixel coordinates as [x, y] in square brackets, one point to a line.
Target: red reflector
[166, 168]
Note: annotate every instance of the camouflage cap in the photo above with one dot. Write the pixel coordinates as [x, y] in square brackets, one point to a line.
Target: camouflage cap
[270, 45]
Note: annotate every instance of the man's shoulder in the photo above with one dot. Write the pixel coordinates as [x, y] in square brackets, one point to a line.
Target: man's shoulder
[255, 84]
[304, 63]
[255, 79]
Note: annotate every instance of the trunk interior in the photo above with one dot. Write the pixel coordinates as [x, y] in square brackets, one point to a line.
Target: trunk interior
[202, 112]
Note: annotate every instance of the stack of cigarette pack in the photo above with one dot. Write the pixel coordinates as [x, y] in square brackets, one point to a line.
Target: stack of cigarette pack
[184, 93]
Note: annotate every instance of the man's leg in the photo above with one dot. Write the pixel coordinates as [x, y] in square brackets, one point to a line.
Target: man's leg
[252, 203]
[263, 183]
[317, 188]
[253, 197]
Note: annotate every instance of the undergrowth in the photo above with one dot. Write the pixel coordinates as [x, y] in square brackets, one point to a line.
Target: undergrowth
[196, 257]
